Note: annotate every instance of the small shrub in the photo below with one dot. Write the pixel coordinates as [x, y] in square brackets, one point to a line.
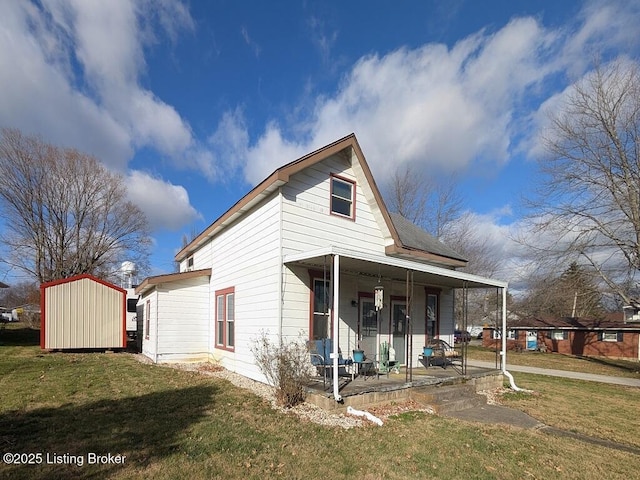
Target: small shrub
[285, 366]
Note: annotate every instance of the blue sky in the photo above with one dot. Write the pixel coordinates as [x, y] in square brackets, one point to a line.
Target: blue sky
[196, 102]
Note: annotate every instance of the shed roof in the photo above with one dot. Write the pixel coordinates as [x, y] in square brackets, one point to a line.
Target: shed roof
[150, 282]
[414, 237]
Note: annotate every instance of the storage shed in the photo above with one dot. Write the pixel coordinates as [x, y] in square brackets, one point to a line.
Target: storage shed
[82, 312]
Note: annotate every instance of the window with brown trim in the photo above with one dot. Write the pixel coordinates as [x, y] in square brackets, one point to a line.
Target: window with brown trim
[343, 197]
[225, 318]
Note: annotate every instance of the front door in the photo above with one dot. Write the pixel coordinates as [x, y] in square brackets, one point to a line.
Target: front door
[368, 326]
[399, 328]
[532, 340]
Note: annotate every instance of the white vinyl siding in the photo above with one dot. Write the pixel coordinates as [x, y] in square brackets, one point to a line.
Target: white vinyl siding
[246, 256]
[307, 219]
[181, 309]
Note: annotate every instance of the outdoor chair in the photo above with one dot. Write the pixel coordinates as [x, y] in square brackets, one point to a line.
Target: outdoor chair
[320, 355]
[385, 364]
[365, 364]
[443, 354]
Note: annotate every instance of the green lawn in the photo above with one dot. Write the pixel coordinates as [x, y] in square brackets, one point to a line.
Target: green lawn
[176, 424]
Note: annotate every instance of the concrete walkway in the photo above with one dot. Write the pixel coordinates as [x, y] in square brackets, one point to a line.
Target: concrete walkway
[629, 382]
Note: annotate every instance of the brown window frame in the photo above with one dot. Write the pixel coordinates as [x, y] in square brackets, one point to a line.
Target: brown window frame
[352, 183]
[223, 343]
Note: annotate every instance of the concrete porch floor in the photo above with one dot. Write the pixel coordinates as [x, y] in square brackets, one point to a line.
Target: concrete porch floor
[368, 390]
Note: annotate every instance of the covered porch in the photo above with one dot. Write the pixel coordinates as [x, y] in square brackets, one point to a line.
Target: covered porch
[375, 299]
[370, 390]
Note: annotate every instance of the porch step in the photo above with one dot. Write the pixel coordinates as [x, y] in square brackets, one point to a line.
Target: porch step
[448, 398]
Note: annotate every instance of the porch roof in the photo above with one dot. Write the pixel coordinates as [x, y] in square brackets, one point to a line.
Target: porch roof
[375, 265]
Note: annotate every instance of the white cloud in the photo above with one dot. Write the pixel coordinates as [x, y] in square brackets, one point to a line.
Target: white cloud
[165, 205]
[446, 108]
[100, 107]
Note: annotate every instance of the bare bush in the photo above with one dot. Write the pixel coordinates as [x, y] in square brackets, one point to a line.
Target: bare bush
[285, 366]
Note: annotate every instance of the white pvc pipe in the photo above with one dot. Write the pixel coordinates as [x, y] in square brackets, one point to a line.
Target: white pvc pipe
[503, 353]
[512, 381]
[362, 413]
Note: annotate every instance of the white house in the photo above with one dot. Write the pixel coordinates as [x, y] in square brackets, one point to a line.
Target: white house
[302, 255]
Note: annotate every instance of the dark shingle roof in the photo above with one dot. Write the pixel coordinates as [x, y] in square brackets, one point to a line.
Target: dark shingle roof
[568, 323]
[414, 237]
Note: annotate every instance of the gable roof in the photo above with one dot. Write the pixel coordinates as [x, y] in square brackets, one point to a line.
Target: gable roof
[83, 276]
[420, 245]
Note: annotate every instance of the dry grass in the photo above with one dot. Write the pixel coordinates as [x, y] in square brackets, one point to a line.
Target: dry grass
[590, 408]
[596, 365]
[179, 424]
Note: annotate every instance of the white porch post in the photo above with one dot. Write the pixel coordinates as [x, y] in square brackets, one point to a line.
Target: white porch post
[503, 353]
[335, 277]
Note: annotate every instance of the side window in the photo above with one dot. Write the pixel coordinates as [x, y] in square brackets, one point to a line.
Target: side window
[131, 305]
[147, 319]
[225, 319]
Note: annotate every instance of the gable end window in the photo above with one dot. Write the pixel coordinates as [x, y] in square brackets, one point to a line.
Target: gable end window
[343, 197]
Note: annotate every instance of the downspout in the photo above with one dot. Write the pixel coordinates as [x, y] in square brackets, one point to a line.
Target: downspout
[335, 277]
[503, 352]
[280, 266]
[157, 332]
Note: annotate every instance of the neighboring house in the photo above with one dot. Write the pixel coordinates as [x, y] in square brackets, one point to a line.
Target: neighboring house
[306, 254]
[609, 336]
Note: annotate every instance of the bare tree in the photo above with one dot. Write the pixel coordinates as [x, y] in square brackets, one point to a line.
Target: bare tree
[65, 213]
[588, 207]
[432, 203]
[435, 205]
[574, 293]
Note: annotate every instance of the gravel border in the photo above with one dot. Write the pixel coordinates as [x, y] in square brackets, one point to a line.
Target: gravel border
[307, 411]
